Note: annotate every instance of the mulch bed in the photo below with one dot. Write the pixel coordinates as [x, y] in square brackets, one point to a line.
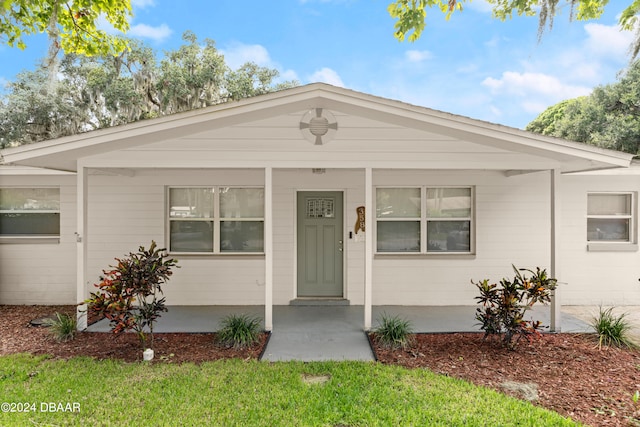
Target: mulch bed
[566, 373]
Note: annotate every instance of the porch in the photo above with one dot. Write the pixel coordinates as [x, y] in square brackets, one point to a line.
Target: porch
[310, 333]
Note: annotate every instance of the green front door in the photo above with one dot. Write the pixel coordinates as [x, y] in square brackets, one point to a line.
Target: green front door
[320, 244]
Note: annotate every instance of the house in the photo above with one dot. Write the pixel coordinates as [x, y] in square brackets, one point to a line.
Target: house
[319, 192]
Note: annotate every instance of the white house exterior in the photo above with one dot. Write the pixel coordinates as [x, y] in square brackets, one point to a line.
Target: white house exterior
[319, 192]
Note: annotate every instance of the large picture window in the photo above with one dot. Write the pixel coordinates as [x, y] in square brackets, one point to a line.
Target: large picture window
[424, 220]
[216, 220]
[29, 212]
[610, 217]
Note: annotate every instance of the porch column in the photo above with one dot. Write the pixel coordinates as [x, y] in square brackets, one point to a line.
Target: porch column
[554, 262]
[82, 181]
[268, 249]
[368, 245]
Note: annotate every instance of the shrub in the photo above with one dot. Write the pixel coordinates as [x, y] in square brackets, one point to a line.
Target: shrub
[612, 330]
[239, 331]
[394, 332]
[503, 308]
[129, 293]
[62, 327]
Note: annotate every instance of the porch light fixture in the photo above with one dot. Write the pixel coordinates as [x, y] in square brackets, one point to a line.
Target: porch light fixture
[318, 126]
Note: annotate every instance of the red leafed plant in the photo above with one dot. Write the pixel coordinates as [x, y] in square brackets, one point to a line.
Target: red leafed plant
[503, 308]
[129, 293]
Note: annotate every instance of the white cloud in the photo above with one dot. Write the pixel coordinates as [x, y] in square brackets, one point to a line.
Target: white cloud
[532, 84]
[238, 54]
[142, 3]
[158, 34]
[479, 6]
[326, 75]
[607, 40]
[418, 55]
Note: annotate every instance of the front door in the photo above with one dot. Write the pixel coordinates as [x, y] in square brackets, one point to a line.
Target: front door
[320, 244]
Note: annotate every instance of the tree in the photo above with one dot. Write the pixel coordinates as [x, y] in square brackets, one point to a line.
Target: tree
[608, 118]
[105, 90]
[71, 24]
[411, 14]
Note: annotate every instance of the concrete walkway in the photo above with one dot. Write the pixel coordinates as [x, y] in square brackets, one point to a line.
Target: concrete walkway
[316, 333]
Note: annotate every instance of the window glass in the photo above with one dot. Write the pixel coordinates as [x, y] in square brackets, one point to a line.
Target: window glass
[609, 230]
[241, 202]
[29, 211]
[29, 199]
[191, 236]
[609, 204]
[449, 202]
[398, 203]
[191, 202]
[398, 236]
[197, 224]
[241, 236]
[448, 236]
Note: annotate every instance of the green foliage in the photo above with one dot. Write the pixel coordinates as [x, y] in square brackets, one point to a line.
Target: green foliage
[89, 93]
[129, 293]
[608, 118]
[62, 326]
[72, 25]
[239, 331]
[411, 14]
[612, 330]
[503, 307]
[393, 331]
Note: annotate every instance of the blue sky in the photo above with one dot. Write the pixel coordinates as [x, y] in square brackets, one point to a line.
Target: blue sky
[471, 65]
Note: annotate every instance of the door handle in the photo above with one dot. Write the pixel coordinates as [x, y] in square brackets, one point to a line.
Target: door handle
[340, 246]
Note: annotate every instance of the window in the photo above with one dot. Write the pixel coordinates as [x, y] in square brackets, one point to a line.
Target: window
[424, 220]
[610, 217]
[29, 212]
[216, 220]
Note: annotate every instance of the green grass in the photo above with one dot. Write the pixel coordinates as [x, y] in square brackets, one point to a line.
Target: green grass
[251, 393]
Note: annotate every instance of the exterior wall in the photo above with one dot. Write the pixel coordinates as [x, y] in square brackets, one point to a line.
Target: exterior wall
[594, 278]
[512, 220]
[42, 273]
[127, 212]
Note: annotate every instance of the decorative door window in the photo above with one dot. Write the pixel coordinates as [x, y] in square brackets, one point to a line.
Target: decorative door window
[320, 208]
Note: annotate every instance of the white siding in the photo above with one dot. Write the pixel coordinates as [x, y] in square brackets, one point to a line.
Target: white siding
[512, 227]
[42, 273]
[594, 278]
[512, 221]
[127, 212]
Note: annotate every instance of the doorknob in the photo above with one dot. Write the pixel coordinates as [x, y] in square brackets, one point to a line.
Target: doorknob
[340, 248]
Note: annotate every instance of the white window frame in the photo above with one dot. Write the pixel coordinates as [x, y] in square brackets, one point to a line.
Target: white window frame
[216, 219]
[424, 219]
[610, 245]
[32, 238]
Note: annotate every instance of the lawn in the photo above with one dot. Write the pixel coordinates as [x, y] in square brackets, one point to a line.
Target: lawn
[248, 393]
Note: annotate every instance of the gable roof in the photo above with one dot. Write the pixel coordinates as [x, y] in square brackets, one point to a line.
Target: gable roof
[64, 153]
